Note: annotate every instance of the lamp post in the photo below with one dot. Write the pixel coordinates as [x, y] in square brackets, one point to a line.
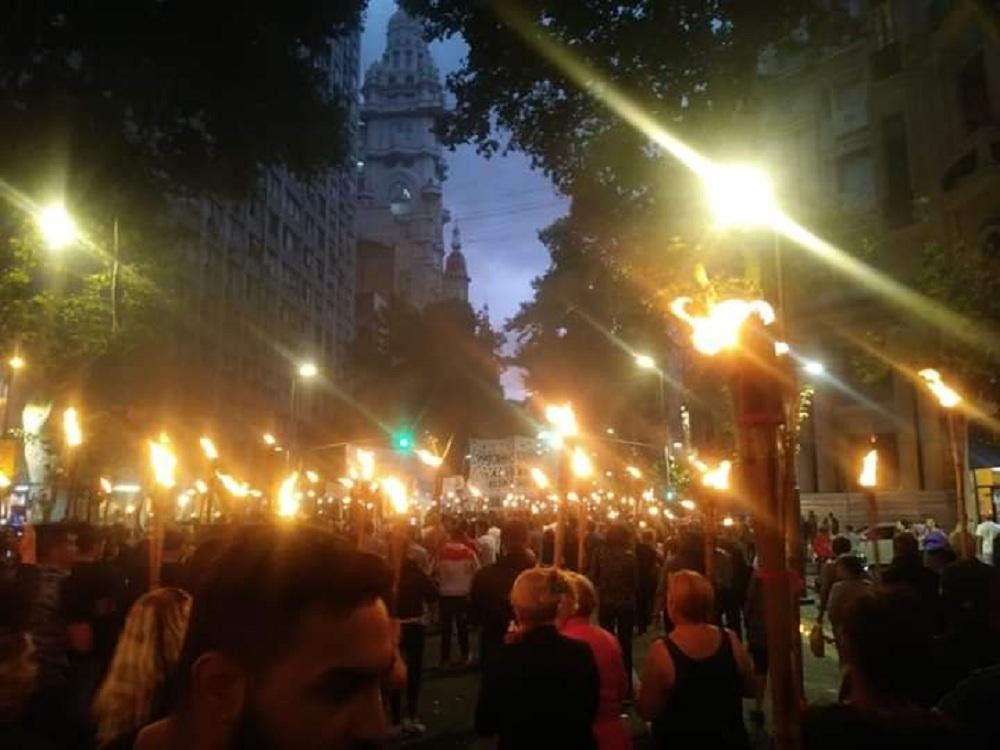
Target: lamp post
[646, 362]
[306, 371]
[958, 436]
[59, 229]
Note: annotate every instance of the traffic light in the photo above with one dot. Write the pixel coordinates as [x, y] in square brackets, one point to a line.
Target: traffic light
[402, 440]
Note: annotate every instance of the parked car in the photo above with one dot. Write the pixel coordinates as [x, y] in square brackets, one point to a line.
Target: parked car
[882, 536]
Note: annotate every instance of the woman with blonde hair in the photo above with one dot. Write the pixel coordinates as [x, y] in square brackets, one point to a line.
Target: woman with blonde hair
[134, 691]
[542, 690]
[694, 679]
[609, 730]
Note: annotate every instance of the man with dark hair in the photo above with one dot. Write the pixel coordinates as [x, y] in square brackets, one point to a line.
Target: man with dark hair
[886, 687]
[490, 595]
[907, 569]
[289, 645]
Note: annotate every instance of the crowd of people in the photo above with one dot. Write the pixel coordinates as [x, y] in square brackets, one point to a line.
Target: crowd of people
[292, 636]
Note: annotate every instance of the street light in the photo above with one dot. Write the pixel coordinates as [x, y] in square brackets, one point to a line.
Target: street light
[740, 195]
[813, 367]
[270, 439]
[645, 361]
[16, 362]
[308, 370]
[429, 459]
[57, 226]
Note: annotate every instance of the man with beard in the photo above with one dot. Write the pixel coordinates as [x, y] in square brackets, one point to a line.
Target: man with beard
[289, 645]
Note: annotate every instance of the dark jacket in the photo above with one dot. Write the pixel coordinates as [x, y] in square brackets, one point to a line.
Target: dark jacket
[615, 574]
[415, 589]
[541, 693]
[490, 601]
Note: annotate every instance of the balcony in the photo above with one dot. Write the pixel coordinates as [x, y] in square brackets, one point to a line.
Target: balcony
[976, 155]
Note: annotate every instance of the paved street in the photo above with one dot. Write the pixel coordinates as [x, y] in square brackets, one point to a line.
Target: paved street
[449, 698]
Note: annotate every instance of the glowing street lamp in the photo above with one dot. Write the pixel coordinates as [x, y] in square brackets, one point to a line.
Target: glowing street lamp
[16, 362]
[719, 330]
[740, 195]
[308, 370]
[645, 361]
[813, 367]
[633, 472]
[57, 226]
[270, 439]
[688, 504]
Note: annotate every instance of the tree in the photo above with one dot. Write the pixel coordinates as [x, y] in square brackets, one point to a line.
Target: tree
[131, 102]
[436, 370]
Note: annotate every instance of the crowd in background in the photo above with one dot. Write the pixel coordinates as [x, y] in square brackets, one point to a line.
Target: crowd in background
[90, 657]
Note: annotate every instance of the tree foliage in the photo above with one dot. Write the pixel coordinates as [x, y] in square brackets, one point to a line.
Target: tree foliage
[436, 370]
[126, 101]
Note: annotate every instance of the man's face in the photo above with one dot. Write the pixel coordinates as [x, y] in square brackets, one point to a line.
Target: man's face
[326, 691]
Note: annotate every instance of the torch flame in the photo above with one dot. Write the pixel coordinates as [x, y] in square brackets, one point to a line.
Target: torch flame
[209, 449]
[718, 478]
[233, 487]
[288, 496]
[163, 461]
[869, 469]
[396, 491]
[428, 458]
[366, 464]
[562, 418]
[106, 486]
[539, 478]
[720, 329]
[580, 463]
[946, 395]
[71, 428]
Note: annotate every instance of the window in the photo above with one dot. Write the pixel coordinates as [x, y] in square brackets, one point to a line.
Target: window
[855, 177]
[885, 28]
[899, 189]
[974, 94]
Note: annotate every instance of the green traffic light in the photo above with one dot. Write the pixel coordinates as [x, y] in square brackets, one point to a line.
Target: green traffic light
[402, 440]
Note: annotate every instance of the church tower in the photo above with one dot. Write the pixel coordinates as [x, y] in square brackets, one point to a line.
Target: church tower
[401, 214]
[456, 277]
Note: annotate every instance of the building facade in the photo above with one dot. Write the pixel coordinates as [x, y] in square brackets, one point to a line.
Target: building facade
[270, 284]
[899, 129]
[401, 211]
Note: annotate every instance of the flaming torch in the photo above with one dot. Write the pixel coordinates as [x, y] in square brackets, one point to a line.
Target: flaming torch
[868, 479]
[288, 496]
[164, 465]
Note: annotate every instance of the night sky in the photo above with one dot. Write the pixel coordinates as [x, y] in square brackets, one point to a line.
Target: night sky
[500, 204]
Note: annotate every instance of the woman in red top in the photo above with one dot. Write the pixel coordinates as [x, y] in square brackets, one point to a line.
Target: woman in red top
[609, 730]
[822, 546]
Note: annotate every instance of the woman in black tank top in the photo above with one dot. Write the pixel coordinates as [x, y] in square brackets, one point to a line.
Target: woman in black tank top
[695, 679]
